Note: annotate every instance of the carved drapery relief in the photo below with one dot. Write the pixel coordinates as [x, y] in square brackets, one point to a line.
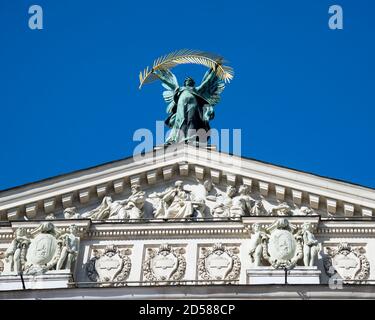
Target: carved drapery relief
[173, 203]
[110, 265]
[43, 249]
[219, 263]
[350, 263]
[130, 208]
[164, 264]
[283, 245]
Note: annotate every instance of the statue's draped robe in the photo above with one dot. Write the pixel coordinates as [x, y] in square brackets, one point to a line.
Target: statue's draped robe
[190, 108]
[188, 114]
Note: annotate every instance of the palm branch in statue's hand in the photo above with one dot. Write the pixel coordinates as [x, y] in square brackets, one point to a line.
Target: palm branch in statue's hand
[185, 56]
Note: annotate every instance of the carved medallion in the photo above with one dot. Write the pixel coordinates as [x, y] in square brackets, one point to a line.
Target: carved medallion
[42, 249]
[282, 248]
[282, 245]
[110, 265]
[165, 263]
[350, 263]
[219, 263]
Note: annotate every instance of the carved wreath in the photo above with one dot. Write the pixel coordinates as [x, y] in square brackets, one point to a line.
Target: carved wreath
[218, 248]
[345, 248]
[165, 250]
[121, 276]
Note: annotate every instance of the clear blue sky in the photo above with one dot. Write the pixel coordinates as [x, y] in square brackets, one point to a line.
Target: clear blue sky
[303, 94]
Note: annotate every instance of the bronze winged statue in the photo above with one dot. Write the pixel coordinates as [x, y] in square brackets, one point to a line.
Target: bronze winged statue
[190, 107]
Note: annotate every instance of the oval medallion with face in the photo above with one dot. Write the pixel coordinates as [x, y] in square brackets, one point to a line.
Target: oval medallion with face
[282, 245]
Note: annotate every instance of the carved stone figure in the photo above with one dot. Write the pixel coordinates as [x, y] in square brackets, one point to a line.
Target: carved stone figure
[225, 201]
[50, 216]
[69, 243]
[304, 211]
[130, 208]
[350, 263]
[256, 247]
[110, 265]
[241, 204]
[174, 203]
[40, 251]
[71, 213]
[15, 255]
[310, 245]
[258, 209]
[165, 263]
[200, 194]
[283, 209]
[219, 263]
[133, 205]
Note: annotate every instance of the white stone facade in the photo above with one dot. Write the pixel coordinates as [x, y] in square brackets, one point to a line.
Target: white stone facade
[186, 219]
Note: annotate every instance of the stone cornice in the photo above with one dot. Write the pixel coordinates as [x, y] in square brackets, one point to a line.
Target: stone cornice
[193, 229]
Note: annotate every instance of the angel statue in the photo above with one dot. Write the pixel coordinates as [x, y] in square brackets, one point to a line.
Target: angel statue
[190, 107]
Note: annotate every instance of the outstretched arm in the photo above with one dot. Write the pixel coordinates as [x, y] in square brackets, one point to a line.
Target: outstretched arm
[167, 77]
[208, 77]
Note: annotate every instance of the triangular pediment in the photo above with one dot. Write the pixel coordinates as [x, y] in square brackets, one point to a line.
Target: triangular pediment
[274, 186]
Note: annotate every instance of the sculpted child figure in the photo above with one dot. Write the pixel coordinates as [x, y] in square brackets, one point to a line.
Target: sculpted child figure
[256, 247]
[69, 249]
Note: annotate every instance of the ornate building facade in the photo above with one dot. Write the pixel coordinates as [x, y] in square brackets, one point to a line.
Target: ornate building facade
[187, 223]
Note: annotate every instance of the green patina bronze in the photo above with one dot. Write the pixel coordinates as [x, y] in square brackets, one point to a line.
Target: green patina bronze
[190, 108]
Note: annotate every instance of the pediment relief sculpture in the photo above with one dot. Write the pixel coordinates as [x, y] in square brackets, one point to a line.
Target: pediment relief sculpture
[110, 265]
[283, 245]
[349, 262]
[185, 200]
[165, 263]
[42, 250]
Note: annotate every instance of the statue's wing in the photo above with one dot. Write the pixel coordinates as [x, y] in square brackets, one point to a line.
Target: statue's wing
[170, 83]
[211, 87]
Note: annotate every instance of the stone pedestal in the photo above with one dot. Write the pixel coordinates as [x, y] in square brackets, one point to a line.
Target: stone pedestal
[269, 275]
[50, 280]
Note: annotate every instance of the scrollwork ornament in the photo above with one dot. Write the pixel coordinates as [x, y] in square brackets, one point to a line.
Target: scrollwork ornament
[111, 266]
[219, 263]
[350, 263]
[164, 264]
